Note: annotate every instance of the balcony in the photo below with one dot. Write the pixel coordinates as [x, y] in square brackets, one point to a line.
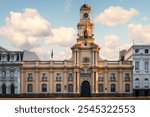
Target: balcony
[127, 78]
[112, 78]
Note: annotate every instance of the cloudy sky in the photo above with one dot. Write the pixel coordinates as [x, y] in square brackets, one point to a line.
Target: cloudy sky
[45, 25]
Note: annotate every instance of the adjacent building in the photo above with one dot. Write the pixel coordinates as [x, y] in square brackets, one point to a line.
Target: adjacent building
[10, 66]
[140, 55]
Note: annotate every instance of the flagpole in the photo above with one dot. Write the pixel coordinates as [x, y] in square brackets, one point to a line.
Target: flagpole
[52, 54]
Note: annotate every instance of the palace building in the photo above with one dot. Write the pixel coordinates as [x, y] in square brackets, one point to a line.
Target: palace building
[84, 74]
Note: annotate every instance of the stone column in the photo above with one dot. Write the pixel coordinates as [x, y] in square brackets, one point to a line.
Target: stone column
[96, 84]
[51, 80]
[120, 81]
[65, 81]
[106, 81]
[36, 85]
[78, 82]
[74, 81]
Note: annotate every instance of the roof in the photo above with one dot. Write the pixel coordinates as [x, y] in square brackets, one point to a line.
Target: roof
[2, 49]
[30, 56]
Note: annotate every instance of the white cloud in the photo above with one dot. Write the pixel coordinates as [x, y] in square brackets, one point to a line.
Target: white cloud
[28, 30]
[24, 30]
[110, 48]
[145, 18]
[115, 15]
[63, 36]
[140, 33]
[42, 53]
[65, 54]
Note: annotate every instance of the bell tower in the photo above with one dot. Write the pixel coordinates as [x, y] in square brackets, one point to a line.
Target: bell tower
[85, 25]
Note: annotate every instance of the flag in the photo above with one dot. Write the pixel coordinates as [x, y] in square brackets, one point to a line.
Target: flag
[52, 54]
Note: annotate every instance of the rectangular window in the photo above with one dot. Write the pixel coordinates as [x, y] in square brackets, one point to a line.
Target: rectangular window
[113, 87]
[127, 77]
[30, 88]
[58, 87]
[30, 78]
[70, 88]
[146, 66]
[146, 51]
[136, 50]
[112, 77]
[58, 77]
[3, 74]
[100, 88]
[11, 74]
[44, 77]
[100, 77]
[146, 83]
[44, 87]
[127, 87]
[70, 77]
[136, 65]
[137, 83]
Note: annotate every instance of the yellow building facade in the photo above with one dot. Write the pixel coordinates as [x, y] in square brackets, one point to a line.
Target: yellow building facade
[84, 74]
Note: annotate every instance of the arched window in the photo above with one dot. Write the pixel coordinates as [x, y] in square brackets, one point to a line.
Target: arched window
[137, 82]
[146, 83]
[3, 89]
[12, 89]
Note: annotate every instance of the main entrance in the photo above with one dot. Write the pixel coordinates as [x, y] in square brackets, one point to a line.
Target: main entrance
[85, 89]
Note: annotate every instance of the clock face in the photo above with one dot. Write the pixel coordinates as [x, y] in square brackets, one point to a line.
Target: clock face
[85, 15]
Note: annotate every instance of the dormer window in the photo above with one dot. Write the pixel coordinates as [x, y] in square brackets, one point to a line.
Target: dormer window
[12, 57]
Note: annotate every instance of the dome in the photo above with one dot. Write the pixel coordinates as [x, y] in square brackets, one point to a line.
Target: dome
[85, 6]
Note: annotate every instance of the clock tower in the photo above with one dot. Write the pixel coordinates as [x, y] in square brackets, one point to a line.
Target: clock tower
[85, 25]
[85, 51]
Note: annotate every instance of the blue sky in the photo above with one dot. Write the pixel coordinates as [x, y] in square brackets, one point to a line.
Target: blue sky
[131, 21]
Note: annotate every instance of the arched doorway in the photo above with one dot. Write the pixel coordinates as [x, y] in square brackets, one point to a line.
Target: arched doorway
[85, 89]
[3, 89]
[12, 89]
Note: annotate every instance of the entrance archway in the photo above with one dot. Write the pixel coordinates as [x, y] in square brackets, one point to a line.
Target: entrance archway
[85, 89]
[12, 89]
